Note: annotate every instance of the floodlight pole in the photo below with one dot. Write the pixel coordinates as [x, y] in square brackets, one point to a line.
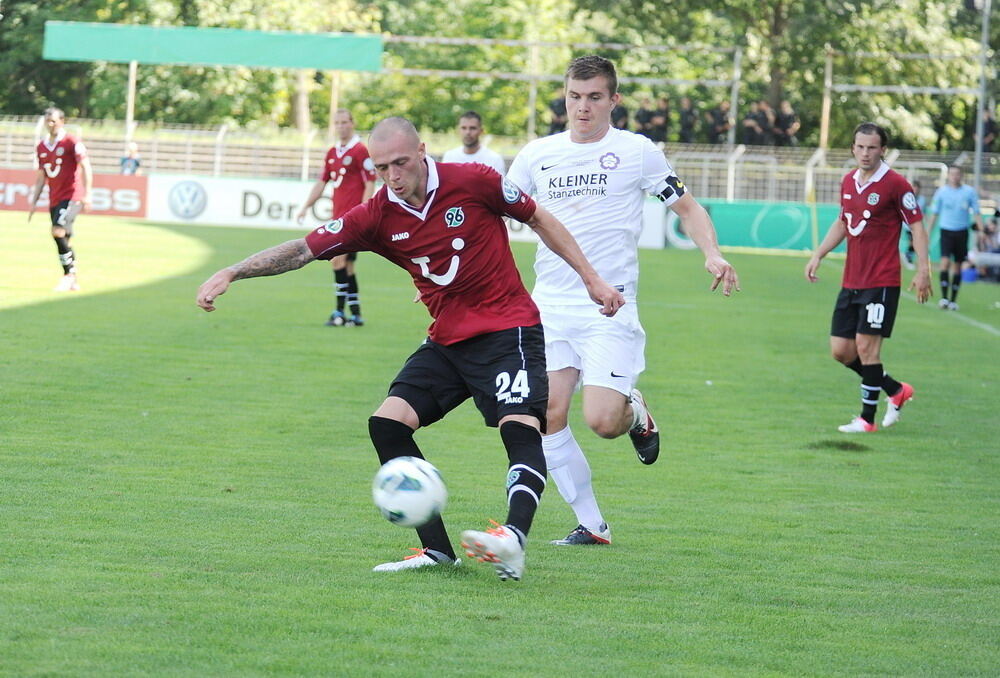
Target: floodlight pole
[734, 94]
[824, 120]
[334, 102]
[533, 92]
[133, 67]
[978, 141]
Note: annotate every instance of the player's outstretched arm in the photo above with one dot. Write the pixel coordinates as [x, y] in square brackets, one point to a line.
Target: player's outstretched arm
[88, 183]
[36, 192]
[558, 239]
[274, 261]
[314, 194]
[698, 226]
[836, 234]
[922, 280]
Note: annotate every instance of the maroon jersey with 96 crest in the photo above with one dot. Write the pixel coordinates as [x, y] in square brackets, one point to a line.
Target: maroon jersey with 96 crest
[455, 247]
[348, 167]
[873, 213]
[60, 160]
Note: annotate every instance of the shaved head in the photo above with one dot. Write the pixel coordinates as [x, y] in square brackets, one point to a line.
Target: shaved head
[398, 156]
[391, 127]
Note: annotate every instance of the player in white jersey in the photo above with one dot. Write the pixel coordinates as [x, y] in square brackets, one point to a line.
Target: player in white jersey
[470, 127]
[594, 178]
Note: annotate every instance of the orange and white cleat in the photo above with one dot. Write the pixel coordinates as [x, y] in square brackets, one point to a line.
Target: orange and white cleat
[67, 283]
[858, 425]
[500, 545]
[422, 558]
[895, 403]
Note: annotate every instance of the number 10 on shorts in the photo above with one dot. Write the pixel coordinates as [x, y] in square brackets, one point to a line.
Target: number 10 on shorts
[509, 392]
[876, 314]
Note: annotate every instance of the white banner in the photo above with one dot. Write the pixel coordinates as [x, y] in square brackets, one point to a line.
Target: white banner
[270, 203]
[273, 203]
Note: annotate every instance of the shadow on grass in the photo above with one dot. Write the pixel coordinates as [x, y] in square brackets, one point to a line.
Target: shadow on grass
[845, 445]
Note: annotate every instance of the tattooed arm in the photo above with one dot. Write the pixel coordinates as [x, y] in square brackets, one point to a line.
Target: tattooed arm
[274, 261]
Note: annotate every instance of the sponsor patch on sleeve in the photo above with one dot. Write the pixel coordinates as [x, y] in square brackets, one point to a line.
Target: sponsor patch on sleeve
[909, 200]
[511, 193]
[333, 227]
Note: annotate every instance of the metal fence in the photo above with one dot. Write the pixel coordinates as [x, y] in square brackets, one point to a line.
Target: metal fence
[774, 174]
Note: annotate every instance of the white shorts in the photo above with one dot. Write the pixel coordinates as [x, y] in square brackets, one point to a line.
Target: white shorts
[608, 352]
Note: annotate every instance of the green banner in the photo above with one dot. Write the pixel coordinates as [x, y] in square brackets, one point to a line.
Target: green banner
[79, 41]
[776, 225]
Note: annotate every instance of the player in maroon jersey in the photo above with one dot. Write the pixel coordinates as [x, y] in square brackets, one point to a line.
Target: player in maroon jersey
[874, 201]
[59, 156]
[443, 223]
[349, 168]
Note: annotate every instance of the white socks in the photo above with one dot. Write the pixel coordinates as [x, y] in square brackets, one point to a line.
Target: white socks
[569, 469]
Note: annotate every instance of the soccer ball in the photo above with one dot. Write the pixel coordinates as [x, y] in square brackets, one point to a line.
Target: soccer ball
[409, 491]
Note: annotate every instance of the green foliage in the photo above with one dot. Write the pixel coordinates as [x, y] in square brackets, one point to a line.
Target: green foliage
[784, 50]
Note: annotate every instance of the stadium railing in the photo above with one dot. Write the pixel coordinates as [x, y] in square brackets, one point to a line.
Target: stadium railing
[764, 173]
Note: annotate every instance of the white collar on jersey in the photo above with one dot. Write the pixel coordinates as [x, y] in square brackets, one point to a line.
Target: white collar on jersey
[879, 173]
[351, 143]
[432, 184]
[60, 135]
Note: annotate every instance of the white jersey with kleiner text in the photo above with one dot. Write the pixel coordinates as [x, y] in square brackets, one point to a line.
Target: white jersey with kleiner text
[597, 190]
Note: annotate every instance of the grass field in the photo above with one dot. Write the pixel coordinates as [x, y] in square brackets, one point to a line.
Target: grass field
[187, 494]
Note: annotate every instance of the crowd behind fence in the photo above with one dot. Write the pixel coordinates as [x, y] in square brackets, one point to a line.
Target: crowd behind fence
[765, 173]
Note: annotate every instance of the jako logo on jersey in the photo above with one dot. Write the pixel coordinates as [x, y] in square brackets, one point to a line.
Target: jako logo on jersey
[187, 199]
[609, 161]
[910, 201]
[400, 236]
[873, 199]
[861, 224]
[449, 275]
[511, 193]
[454, 217]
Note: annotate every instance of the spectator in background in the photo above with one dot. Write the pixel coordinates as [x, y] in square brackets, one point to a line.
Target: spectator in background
[752, 133]
[660, 123]
[644, 117]
[765, 121]
[470, 128]
[986, 256]
[989, 131]
[619, 117]
[718, 123]
[557, 108]
[786, 126]
[130, 162]
[688, 118]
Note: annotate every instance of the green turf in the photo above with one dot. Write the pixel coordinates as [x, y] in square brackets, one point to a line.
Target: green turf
[187, 494]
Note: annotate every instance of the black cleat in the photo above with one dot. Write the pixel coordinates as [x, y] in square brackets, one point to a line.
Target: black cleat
[645, 436]
[581, 536]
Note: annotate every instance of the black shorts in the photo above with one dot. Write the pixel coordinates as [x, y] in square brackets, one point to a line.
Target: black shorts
[870, 311]
[503, 372]
[955, 245]
[62, 215]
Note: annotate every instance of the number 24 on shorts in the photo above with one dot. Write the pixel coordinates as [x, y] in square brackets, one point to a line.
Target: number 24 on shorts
[512, 392]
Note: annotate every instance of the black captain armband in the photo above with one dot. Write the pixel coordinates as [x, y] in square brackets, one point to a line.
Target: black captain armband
[674, 187]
